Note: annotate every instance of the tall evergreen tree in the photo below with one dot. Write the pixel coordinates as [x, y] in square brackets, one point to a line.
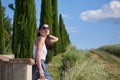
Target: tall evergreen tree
[46, 13]
[63, 34]
[55, 29]
[67, 40]
[46, 17]
[7, 34]
[24, 30]
[61, 26]
[2, 38]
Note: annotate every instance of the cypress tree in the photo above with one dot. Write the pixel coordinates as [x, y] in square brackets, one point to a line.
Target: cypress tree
[46, 17]
[66, 36]
[7, 34]
[63, 34]
[24, 28]
[46, 13]
[55, 29]
[61, 26]
[2, 39]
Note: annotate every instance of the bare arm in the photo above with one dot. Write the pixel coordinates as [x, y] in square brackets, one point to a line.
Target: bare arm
[53, 39]
[40, 44]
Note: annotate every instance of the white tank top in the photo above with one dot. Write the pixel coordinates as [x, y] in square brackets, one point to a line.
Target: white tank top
[43, 52]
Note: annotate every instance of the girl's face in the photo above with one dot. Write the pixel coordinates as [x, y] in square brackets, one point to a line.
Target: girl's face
[45, 30]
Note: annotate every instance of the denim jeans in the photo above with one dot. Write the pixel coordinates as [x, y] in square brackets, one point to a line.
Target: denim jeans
[35, 72]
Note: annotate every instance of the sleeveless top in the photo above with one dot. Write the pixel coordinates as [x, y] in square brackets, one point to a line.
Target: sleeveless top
[42, 54]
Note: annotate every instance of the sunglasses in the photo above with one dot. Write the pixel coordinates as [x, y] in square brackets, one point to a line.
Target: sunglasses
[45, 28]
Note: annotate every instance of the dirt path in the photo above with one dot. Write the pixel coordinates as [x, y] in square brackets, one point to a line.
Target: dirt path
[96, 57]
[115, 57]
[112, 68]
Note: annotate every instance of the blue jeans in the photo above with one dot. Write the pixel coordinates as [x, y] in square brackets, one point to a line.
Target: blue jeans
[35, 72]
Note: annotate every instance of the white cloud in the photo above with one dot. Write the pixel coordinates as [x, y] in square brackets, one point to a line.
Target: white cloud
[72, 29]
[107, 12]
[116, 0]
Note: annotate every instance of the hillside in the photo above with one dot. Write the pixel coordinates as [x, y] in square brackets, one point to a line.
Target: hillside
[95, 64]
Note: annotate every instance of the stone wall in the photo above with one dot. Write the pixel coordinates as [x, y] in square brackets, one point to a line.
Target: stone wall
[15, 69]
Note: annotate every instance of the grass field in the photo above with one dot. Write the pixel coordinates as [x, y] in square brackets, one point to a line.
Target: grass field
[92, 64]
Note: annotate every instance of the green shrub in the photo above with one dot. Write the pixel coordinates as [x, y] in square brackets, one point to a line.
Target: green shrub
[104, 55]
[112, 49]
[88, 70]
[70, 57]
[49, 56]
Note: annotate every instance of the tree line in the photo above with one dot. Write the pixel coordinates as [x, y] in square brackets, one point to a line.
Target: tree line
[5, 31]
[24, 30]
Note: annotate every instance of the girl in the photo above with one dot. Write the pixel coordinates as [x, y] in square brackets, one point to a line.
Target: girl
[42, 43]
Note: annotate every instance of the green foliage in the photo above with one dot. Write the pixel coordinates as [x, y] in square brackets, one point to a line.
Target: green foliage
[2, 31]
[70, 57]
[63, 34]
[55, 27]
[112, 65]
[105, 55]
[7, 28]
[46, 18]
[78, 65]
[46, 13]
[54, 67]
[112, 49]
[49, 15]
[7, 33]
[24, 26]
[24, 29]
[49, 56]
[88, 70]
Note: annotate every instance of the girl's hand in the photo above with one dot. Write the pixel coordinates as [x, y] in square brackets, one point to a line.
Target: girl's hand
[52, 39]
[42, 76]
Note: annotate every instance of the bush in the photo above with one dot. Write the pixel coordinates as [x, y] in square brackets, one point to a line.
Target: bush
[112, 49]
[88, 70]
[79, 65]
[49, 56]
[70, 57]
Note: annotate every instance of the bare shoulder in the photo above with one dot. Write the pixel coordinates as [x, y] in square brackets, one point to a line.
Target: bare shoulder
[39, 40]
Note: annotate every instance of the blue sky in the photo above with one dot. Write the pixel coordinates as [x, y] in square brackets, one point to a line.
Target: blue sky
[90, 23]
